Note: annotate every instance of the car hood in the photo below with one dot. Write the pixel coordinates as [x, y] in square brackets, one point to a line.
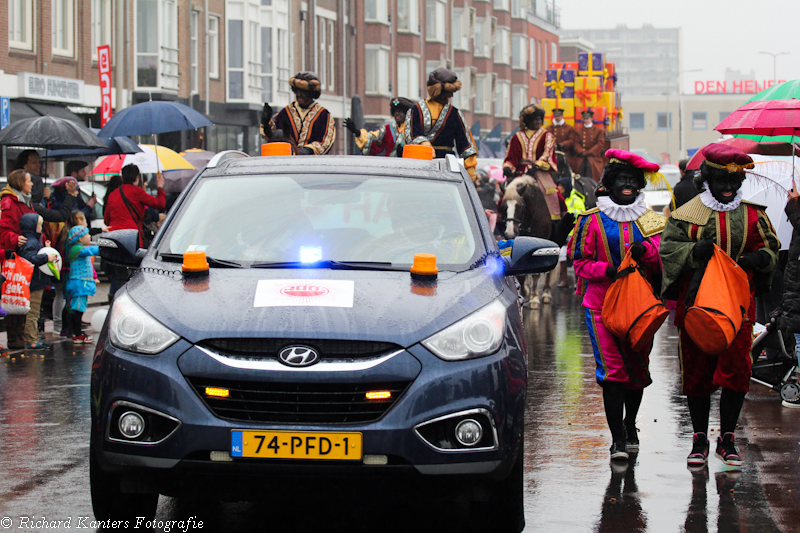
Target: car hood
[285, 303]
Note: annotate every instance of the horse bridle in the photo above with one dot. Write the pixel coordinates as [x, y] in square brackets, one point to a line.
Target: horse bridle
[526, 229]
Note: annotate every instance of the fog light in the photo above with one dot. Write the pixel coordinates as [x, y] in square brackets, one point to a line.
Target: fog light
[131, 425]
[469, 432]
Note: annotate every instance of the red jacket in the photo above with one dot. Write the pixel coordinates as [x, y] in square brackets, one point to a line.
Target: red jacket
[11, 210]
[117, 216]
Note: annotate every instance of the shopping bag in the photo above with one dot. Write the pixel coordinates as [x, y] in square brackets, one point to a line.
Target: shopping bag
[631, 310]
[715, 317]
[15, 297]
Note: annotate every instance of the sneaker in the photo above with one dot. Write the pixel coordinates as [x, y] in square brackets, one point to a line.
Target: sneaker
[78, 339]
[631, 439]
[619, 451]
[699, 455]
[792, 404]
[726, 450]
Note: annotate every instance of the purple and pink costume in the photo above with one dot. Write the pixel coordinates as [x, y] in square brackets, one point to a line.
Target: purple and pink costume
[597, 242]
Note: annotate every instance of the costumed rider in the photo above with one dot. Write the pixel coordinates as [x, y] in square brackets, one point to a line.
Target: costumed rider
[435, 122]
[718, 215]
[603, 235]
[566, 138]
[304, 123]
[390, 139]
[588, 150]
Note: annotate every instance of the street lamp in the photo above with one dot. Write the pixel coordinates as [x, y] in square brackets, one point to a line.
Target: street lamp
[680, 108]
[774, 63]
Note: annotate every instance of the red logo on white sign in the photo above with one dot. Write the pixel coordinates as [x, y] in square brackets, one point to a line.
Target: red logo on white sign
[104, 65]
[304, 291]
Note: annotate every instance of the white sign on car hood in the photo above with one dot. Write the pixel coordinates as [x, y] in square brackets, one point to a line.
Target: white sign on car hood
[304, 293]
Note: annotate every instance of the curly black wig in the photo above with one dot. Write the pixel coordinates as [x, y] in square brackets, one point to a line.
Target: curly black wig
[612, 169]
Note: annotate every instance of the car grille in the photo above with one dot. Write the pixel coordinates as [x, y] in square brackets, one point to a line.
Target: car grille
[327, 348]
[300, 403]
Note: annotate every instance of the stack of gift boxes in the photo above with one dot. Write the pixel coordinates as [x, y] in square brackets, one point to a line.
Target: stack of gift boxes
[590, 83]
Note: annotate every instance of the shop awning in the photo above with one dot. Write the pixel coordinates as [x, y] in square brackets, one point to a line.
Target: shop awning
[20, 111]
[56, 111]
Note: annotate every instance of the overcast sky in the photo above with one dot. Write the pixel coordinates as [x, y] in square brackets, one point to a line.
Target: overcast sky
[716, 34]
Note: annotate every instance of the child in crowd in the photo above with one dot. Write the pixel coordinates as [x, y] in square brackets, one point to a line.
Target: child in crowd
[30, 225]
[81, 282]
[60, 309]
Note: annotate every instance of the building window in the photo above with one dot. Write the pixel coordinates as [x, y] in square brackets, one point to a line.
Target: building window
[533, 58]
[408, 16]
[377, 69]
[20, 24]
[194, 20]
[553, 52]
[213, 46]
[408, 77]
[169, 45]
[503, 99]
[101, 24]
[699, 121]
[146, 43]
[502, 49]
[504, 5]
[484, 93]
[519, 51]
[266, 64]
[435, 21]
[254, 78]
[63, 17]
[324, 58]
[236, 59]
[664, 121]
[636, 121]
[375, 11]
[519, 8]
[519, 98]
[461, 99]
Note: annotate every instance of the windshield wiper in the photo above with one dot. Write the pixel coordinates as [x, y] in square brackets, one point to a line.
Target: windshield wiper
[333, 265]
[216, 263]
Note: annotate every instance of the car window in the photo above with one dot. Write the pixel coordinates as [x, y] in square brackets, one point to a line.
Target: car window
[346, 218]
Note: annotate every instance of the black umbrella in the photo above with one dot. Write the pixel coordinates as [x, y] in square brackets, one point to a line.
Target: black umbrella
[50, 133]
[115, 145]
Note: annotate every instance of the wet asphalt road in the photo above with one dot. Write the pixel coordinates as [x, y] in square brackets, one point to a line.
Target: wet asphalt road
[570, 485]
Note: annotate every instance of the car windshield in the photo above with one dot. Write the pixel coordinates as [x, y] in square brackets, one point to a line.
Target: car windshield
[258, 220]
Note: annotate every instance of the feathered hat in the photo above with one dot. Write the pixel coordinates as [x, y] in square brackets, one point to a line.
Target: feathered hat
[441, 80]
[650, 170]
[400, 104]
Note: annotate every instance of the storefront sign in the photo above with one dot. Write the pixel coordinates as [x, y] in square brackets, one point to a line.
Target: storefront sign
[104, 65]
[50, 88]
[733, 87]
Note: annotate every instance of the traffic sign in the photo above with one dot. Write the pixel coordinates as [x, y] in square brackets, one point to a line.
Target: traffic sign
[5, 111]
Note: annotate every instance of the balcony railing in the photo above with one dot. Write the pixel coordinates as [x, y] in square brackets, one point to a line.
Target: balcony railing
[547, 11]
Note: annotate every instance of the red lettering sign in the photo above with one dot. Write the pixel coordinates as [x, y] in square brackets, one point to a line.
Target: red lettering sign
[737, 87]
[104, 65]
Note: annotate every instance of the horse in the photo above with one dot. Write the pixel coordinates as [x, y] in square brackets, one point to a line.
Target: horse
[524, 212]
[585, 186]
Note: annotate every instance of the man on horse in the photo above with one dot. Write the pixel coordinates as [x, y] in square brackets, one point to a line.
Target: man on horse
[390, 139]
[434, 122]
[304, 123]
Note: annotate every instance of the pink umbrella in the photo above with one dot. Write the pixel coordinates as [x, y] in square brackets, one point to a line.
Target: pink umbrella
[772, 117]
[747, 146]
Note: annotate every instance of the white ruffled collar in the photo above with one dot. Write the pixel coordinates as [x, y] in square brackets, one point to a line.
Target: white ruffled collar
[622, 213]
[712, 203]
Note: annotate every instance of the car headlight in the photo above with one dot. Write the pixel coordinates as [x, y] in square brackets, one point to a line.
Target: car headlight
[477, 335]
[132, 329]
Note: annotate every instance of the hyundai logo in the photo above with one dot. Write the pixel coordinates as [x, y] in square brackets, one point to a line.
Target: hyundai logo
[298, 356]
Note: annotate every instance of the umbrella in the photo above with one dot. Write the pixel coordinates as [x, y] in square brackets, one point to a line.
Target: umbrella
[147, 161]
[771, 117]
[745, 145]
[50, 133]
[781, 91]
[114, 145]
[178, 180]
[779, 169]
[152, 118]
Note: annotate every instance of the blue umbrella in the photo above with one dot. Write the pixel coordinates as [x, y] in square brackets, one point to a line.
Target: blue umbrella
[116, 145]
[152, 118]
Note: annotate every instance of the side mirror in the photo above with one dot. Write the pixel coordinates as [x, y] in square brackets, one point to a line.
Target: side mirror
[532, 255]
[121, 247]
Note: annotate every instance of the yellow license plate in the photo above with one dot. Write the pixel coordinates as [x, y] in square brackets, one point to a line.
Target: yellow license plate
[296, 445]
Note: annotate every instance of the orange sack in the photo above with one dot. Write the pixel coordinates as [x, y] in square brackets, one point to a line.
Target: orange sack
[631, 309]
[719, 309]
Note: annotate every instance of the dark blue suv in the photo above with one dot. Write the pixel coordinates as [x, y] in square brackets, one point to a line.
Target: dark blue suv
[300, 319]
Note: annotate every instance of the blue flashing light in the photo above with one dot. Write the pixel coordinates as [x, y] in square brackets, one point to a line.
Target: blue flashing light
[310, 254]
[496, 265]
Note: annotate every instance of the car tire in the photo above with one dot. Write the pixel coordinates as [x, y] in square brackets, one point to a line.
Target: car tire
[504, 512]
[110, 503]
